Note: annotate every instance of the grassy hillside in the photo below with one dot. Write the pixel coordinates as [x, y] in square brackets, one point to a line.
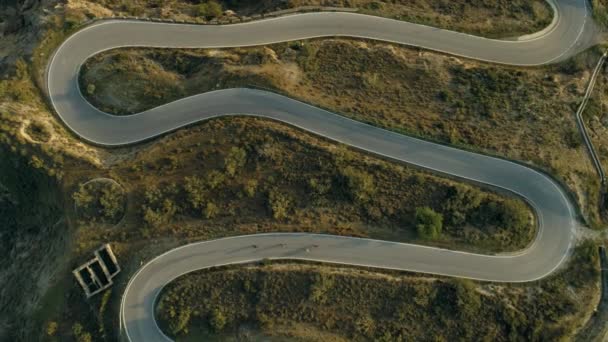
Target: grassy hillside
[241, 176]
[303, 302]
[526, 114]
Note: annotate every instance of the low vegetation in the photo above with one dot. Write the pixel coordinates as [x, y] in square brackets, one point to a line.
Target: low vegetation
[100, 200]
[496, 110]
[250, 175]
[320, 302]
[242, 175]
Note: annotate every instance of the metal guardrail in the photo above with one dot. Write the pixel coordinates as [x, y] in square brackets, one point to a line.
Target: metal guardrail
[581, 123]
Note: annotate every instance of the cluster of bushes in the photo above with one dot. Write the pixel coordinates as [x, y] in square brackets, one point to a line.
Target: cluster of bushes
[263, 171]
[428, 223]
[100, 201]
[159, 205]
[210, 9]
[194, 195]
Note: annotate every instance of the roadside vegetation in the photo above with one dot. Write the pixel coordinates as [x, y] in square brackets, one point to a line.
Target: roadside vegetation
[600, 12]
[501, 111]
[238, 176]
[242, 175]
[500, 18]
[296, 301]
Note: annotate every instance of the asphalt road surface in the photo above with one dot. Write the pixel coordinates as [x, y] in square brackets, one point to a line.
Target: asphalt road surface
[570, 32]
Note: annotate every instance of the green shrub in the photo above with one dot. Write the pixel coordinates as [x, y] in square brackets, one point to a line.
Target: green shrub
[360, 184]
[210, 9]
[82, 198]
[235, 160]
[112, 201]
[90, 89]
[51, 328]
[99, 201]
[157, 215]
[180, 325]
[195, 191]
[215, 179]
[428, 223]
[278, 204]
[319, 287]
[211, 210]
[250, 187]
[217, 321]
[514, 214]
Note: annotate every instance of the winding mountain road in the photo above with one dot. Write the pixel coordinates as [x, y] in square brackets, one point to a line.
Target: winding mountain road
[571, 31]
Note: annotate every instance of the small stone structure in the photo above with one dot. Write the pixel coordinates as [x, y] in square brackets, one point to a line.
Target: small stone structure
[96, 274]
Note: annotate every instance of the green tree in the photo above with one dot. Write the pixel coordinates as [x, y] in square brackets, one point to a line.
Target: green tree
[77, 329]
[235, 160]
[215, 179]
[321, 284]
[180, 323]
[210, 9]
[365, 325]
[217, 320]
[195, 191]
[111, 201]
[80, 334]
[360, 184]
[152, 218]
[514, 214]
[153, 196]
[428, 223]
[250, 187]
[85, 337]
[155, 217]
[90, 89]
[83, 198]
[278, 204]
[461, 202]
[319, 187]
[51, 328]
[211, 210]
